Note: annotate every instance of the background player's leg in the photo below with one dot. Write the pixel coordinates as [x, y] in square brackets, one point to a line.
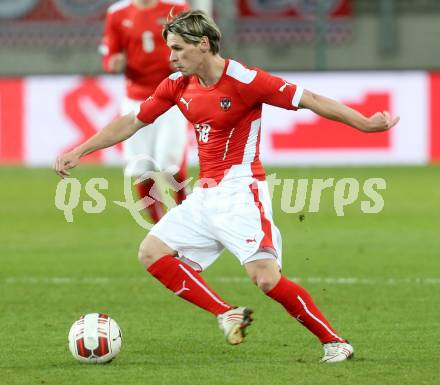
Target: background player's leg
[149, 192]
[181, 176]
[265, 273]
[142, 144]
[138, 152]
[170, 149]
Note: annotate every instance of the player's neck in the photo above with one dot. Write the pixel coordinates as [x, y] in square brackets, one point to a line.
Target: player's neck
[211, 71]
[145, 3]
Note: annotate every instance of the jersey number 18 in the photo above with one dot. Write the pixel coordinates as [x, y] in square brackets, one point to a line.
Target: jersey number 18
[203, 130]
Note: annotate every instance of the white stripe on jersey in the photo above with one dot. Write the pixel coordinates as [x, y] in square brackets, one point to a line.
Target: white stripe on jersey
[227, 144]
[240, 73]
[118, 5]
[251, 144]
[297, 96]
[175, 75]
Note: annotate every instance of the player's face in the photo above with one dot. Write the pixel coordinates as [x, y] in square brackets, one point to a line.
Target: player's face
[186, 58]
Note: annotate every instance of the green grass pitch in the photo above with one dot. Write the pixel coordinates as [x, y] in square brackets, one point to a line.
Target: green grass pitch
[375, 276]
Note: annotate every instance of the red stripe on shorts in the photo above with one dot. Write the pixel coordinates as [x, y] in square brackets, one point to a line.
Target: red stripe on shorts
[266, 226]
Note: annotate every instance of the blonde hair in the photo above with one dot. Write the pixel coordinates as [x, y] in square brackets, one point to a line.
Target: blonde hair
[192, 26]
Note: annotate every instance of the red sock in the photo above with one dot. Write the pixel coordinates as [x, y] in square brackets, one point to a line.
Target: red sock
[187, 283]
[153, 206]
[298, 303]
[180, 177]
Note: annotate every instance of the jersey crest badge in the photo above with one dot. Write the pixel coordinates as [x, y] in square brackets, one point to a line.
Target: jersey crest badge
[225, 103]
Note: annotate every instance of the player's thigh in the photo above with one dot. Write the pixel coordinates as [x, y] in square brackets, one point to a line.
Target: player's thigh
[141, 142]
[138, 150]
[171, 139]
[184, 230]
[245, 225]
[139, 154]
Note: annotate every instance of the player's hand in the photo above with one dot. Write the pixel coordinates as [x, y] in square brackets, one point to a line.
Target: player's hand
[65, 162]
[117, 62]
[380, 121]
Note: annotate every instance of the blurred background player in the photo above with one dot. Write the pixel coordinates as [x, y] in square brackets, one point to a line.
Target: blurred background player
[133, 44]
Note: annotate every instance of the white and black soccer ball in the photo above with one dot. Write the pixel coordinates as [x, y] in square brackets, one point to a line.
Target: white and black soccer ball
[95, 338]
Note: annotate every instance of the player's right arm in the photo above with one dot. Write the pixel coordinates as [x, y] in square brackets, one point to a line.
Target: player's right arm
[121, 128]
[115, 132]
[111, 48]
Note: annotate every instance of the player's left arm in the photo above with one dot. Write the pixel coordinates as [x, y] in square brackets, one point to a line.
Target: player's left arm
[270, 89]
[333, 110]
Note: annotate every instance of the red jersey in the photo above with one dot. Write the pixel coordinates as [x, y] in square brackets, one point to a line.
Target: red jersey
[138, 33]
[226, 116]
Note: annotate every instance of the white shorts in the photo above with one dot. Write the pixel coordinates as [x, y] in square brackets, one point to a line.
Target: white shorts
[164, 141]
[231, 215]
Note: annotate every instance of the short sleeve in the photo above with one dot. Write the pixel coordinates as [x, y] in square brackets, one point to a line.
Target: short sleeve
[273, 90]
[161, 101]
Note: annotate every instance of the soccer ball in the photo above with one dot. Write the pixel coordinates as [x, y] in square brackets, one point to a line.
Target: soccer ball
[95, 338]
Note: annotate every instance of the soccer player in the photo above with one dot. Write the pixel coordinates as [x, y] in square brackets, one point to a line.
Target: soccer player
[133, 44]
[231, 208]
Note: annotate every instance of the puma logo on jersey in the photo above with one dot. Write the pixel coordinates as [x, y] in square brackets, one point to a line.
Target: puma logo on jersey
[186, 103]
[284, 86]
[178, 292]
[127, 23]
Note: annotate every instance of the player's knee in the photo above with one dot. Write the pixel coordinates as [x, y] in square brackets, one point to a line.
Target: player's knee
[144, 256]
[266, 283]
[264, 273]
[264, 280]
[151, 249]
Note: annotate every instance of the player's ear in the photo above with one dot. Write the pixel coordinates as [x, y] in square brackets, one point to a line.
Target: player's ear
[204, 44]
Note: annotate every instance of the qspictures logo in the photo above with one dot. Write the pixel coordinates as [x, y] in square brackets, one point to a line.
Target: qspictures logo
[293, 195]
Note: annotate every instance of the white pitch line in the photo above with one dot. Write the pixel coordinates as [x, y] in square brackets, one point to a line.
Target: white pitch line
[390, 281]
[347, 280]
